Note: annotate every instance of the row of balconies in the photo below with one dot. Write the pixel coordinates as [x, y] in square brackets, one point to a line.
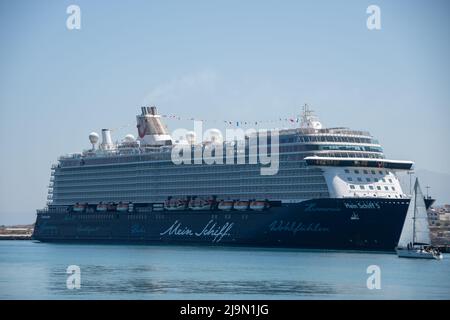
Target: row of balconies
[244, 195]
[153, 174]
[300, 188]
[141, 180]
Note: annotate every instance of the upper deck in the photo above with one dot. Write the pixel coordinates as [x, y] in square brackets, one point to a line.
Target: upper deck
[142, 169]
[337, 142]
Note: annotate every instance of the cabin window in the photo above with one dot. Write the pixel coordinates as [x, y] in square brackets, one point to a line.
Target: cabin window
[368, 179]
[378, 188]
[361, 187]
[390, 180]
[375, 179]
[386, 188]
[357, 171]
[352, 187]
[347, 171]
[349, 179]
[371, 187]
[359, 179]
[365, 172]
[372, 172]
[393, 188]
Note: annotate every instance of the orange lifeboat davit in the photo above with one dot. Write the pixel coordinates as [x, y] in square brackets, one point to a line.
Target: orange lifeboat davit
[111, 206]
[200, 204]
[122, 207]
[225, 205]
[79, 207]
[175, 204]
[102, 207]
[258, 205]
[241, 205]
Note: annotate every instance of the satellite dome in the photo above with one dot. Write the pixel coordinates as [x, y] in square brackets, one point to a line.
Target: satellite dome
[93, 137]
[316, 125]
[129, 138]
[213, 136]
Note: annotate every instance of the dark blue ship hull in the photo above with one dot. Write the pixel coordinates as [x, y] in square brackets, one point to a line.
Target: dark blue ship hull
[350, 224]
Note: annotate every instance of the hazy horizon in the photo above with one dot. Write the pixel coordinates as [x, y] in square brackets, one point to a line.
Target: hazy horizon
[228, 60]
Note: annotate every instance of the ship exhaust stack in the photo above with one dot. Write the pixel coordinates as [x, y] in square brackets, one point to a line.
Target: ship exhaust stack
[151, 130]
[151, 110]
[107, 143]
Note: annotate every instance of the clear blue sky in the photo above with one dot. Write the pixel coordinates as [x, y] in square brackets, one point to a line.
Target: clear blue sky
[215, 60]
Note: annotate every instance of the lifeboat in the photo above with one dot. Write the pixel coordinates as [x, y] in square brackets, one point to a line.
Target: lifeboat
[110, 207]
[241, 205]
[258, 205]
[200, 204]
[175, 204]
[122, 207]
[225, 205]
[79, 207]
[102, 207]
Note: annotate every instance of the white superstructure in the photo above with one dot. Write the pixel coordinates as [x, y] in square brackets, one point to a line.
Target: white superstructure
[314, 162]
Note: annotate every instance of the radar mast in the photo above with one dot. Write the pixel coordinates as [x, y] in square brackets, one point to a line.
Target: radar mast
[308, 119]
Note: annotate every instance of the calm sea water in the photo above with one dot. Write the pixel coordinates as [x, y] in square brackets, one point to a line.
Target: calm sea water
[31, 270]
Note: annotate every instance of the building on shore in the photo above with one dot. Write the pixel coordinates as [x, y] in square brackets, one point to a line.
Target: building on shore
[22, 232]
[439, 220]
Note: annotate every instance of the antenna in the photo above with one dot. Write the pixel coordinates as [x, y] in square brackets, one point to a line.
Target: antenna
[308, 119]
[306, 113]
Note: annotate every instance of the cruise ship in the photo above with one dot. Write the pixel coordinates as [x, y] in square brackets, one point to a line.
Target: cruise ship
[333, 188]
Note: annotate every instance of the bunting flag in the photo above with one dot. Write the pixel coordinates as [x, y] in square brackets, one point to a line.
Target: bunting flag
[234, 123]
[237, 123]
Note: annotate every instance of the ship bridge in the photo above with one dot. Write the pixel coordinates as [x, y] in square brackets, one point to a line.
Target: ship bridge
[361, 177]
[359, 162]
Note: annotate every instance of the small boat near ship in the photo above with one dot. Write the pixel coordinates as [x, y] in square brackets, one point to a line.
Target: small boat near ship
[415, 239]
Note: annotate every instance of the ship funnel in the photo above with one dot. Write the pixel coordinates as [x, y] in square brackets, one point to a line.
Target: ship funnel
[106, 139]
[152, 131]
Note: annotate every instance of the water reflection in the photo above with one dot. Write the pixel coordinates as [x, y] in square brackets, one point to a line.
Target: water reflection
[38, 271]
[150, 280]
[152, 286]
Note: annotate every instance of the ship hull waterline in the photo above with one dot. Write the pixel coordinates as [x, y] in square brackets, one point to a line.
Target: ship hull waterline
[341, 224]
